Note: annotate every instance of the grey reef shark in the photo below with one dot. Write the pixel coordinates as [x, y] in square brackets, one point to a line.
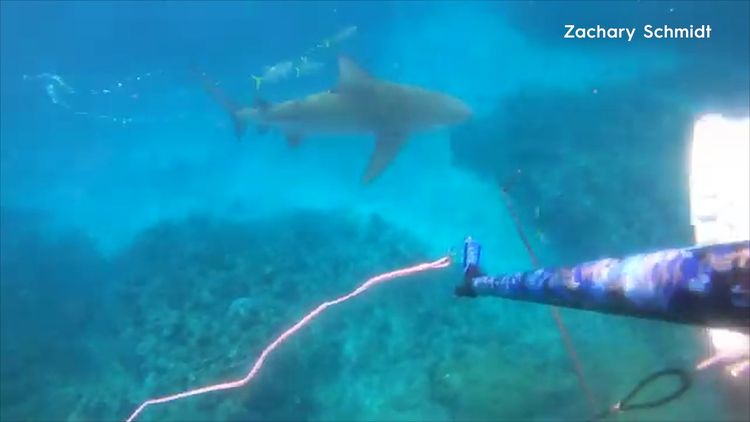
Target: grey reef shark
[358, 104]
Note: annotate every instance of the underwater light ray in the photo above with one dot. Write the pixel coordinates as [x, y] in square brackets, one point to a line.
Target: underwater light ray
[440, 263]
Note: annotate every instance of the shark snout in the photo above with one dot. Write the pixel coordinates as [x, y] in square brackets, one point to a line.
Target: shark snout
[463, 112]
[456, 111]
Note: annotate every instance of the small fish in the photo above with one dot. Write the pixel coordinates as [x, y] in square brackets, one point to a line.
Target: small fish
[273, 73]
[344, 34]
[340, 37]
[307, 67]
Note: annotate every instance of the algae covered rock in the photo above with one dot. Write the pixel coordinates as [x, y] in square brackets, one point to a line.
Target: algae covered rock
[200, 298]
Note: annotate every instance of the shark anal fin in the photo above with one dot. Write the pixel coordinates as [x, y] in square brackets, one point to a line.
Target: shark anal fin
[387, 146]
[293, 140]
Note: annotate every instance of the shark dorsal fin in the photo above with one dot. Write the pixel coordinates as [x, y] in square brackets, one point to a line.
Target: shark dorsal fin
[351, 75]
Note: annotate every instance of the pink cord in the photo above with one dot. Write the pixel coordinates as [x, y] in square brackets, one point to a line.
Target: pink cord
[440, 263]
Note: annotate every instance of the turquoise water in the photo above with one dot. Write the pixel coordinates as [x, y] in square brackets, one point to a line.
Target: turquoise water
[144, 250]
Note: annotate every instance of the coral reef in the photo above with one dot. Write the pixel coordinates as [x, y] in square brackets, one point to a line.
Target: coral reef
[51, 287]
[193, 302]
[199, 299]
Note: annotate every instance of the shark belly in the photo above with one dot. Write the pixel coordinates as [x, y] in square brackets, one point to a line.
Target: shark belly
[321, 127]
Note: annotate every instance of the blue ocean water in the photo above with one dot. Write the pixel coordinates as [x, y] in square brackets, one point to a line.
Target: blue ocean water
[144, 250]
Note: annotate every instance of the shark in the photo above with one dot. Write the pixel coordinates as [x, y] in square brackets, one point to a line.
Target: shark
[358, 104]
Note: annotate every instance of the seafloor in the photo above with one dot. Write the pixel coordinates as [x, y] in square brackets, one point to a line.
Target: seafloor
[194, 301]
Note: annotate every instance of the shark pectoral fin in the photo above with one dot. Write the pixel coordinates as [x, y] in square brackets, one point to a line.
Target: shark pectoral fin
[293, 140]
[387, 146]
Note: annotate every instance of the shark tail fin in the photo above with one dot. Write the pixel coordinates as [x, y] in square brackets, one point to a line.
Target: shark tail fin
[240, 124]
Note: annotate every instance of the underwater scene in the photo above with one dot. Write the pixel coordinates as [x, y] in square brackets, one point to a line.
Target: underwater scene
[264, 205]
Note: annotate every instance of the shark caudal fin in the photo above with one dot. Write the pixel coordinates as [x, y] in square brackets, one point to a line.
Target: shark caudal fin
[234, 109]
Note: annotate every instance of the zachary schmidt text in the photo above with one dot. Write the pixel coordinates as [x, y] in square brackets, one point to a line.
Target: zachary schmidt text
[629, 33]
